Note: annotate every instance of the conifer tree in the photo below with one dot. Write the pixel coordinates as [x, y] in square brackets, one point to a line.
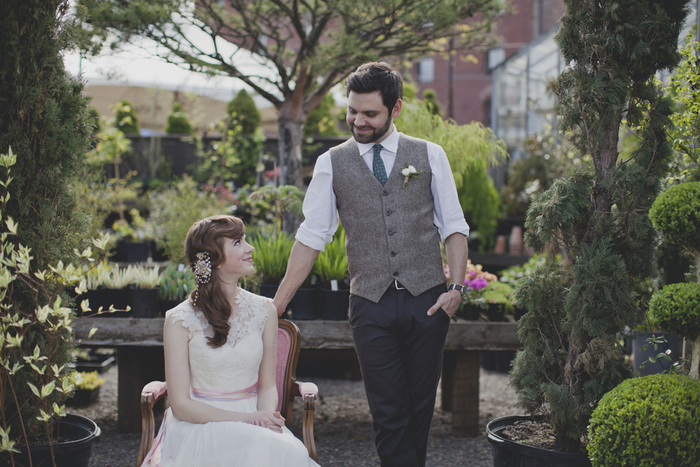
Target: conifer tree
[598, 219]
[45, 121]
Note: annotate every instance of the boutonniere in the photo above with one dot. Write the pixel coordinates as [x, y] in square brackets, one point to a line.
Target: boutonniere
[408, 171]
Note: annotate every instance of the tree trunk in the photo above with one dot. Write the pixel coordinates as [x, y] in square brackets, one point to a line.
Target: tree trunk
[695, 359]
[290, 140]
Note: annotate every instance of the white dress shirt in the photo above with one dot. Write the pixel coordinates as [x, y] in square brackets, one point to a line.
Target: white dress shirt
[320, 205]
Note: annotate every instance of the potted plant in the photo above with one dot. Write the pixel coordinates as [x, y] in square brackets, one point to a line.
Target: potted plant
[270, 257]
[132, 244]
[474, 306]
[99, 360]
[331, 268]
[36, 349]
[144, 291]
[597, 218]
[652, 420]
[176, 283]
[87, 388]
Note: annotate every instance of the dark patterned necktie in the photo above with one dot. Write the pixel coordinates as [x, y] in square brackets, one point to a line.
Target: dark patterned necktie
[378, 165]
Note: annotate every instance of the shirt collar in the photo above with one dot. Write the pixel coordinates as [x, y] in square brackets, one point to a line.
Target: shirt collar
[391, 143]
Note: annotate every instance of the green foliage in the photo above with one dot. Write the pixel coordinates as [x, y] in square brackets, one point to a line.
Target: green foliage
[431, 103]
[500, 293]
[87, 380]
[175, 209]
[676, 214]
[514, 274]
[676, 309]
[596, 216]
[233, 158]
[271, 255]
[322, 120]
[44, 119]
[547, 158]
[125, 118]
[471, 149]
[332, 262]
[178, 122]
[176, 283]
[653, 420]
[36, 340]
[247, 115]
[684, 89]
[269, 204]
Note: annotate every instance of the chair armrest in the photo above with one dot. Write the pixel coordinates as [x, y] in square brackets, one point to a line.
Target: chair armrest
[304, 389]
[309, 394]
[150, 393]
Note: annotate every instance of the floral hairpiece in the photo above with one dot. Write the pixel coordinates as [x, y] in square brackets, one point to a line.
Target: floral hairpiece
[202, 271]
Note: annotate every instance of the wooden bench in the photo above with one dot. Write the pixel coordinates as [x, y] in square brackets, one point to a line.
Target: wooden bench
[139, 344]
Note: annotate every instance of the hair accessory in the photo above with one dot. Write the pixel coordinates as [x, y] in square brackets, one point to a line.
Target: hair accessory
[202, 271]
[202, 267]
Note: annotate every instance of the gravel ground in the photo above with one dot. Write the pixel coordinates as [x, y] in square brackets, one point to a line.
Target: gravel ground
[342, 426]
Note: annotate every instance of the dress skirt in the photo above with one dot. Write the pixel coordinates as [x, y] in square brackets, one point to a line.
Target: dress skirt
[228, 444]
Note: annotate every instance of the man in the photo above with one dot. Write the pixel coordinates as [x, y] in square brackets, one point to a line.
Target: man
[400, 306]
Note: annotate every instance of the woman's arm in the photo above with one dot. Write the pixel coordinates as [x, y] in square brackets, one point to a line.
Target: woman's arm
[177, 371]
[267, 382]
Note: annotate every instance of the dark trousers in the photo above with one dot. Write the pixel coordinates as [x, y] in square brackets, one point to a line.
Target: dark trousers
[400, 350]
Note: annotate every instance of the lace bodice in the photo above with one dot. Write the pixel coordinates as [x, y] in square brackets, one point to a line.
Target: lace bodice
[234, 365]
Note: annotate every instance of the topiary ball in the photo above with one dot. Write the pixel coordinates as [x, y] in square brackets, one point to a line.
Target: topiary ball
[676, 309]
[653, 420]
[676, 214]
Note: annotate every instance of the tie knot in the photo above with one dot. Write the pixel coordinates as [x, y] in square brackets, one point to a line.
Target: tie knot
[377, 149]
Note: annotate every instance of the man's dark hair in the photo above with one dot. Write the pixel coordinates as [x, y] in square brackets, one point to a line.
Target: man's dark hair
[376, 76]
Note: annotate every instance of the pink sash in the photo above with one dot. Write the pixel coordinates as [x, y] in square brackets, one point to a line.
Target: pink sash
[152, 459]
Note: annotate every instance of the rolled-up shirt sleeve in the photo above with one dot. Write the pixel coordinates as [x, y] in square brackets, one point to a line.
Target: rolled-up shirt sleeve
[448, 215]
[320, 208]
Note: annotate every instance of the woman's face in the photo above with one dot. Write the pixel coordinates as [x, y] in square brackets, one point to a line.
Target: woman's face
[237, 259]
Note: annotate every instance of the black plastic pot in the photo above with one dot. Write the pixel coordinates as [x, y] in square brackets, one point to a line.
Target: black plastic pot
[97, 362]
[144, 303]
[496, 360]
[335, 304]
[83, 397]
[507, 453]
[269, 290]
[304, 304]
[80, 432]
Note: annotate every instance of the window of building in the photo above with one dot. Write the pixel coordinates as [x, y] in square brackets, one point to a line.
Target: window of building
[426, 70]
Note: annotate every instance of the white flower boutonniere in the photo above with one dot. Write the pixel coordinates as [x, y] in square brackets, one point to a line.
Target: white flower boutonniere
[408, 171]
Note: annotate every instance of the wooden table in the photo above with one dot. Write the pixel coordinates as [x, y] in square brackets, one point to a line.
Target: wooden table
[139, 344]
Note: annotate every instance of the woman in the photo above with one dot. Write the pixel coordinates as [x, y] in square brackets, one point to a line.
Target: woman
[220, 357]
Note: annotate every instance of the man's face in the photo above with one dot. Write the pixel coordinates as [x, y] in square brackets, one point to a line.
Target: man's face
[368, 118]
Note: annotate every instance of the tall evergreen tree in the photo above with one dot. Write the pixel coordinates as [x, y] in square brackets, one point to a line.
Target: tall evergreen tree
[45, 120]
[597, 219]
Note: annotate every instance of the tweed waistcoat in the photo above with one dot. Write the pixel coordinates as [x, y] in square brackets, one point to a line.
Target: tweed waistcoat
[390, 230]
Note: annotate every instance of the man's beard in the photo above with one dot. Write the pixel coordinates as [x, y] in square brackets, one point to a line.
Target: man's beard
[375, 134]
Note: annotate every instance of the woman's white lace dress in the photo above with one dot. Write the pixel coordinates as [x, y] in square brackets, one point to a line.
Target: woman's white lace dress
[230, 368]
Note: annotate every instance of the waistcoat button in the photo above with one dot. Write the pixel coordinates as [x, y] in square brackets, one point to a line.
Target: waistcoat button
[396, 273]
[393, 253]
[385, 193]
[391, 232]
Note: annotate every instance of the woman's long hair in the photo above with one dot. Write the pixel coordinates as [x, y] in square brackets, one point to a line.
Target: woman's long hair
[208, 235]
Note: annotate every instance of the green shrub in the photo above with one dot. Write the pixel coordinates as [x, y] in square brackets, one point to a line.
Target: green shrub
[125, 117]
[676, 309]
[173, 211]
[676, 214]
[248, 116]
[648, 421]
[178, 122]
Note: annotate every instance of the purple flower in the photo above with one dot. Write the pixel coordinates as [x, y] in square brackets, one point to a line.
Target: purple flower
[477, 284]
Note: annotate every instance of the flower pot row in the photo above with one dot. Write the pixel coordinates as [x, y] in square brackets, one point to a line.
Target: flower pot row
[314, 303]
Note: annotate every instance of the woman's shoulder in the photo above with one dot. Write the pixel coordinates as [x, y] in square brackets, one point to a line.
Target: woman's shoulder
[257, 303]
[186, 313]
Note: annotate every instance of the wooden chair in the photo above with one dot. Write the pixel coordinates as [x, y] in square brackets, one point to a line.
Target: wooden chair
[288, 346]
